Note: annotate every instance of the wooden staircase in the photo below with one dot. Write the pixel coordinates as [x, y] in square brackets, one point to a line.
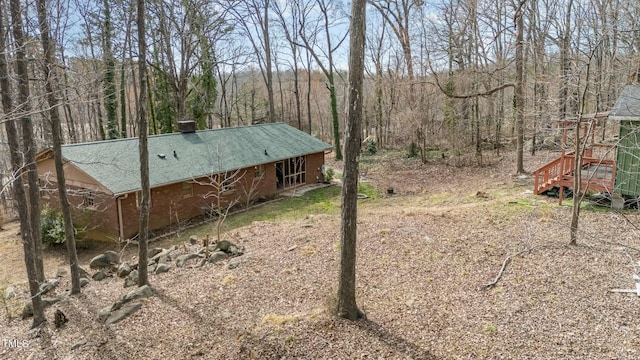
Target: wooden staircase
[598, 174]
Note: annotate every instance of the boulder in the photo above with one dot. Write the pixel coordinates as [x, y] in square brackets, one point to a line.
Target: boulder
[27, 311]
[164, 255]
[84, 282]
[193, 239]
[229, 248]
[99, 275]
[235, 251]
[144, 291]
[182, 259]
[46, 302]
[164, 259]
[104, 313]
[162, 268]
[224, 245]
[123, 270]
[100, 262]
[217, 256]
[113, 256]
[153, 252]
[236, 261]
[48, 286]
[131, 279]
[118, 315]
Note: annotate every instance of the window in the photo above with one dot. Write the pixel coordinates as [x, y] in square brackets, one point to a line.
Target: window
[89, 197]
[228, 182]
[291, 172]
[187, 189]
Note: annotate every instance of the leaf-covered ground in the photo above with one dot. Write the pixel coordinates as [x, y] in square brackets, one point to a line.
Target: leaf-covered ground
[424, 255]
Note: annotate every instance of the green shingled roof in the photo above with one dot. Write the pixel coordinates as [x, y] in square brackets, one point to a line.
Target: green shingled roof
[115, 163]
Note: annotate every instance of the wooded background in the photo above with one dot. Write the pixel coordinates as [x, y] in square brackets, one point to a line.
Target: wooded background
[441, 74]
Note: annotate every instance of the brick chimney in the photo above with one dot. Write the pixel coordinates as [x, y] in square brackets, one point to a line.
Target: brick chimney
[187, 126]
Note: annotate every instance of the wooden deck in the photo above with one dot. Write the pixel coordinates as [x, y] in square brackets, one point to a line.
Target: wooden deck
[598, 174]
[597, 167]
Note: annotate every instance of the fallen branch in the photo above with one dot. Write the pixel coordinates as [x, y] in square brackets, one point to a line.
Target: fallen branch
[505, 263]
[494, 282]
[624, 291]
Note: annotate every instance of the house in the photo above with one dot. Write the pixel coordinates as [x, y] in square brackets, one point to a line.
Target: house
[189, 171]
[612, 169]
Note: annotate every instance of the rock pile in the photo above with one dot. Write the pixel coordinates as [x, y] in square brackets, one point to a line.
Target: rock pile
[124, 306]
[109, 265]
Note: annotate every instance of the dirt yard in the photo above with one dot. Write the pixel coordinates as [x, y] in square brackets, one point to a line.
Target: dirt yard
[425, 255]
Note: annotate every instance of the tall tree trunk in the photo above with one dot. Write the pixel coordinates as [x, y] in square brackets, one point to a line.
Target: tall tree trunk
[519, 90]
[143, 235]
[109, 78]
[123, 106]
[56, 133]
[267, 55]
[347, 307]
[565, 64]
[580, 145]
[296, 92]
[71, 126]
[577, 182]
[335, 120]
[309, 91]
[15, 155]
[24, 109]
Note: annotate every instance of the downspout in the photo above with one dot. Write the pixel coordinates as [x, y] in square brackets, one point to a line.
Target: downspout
[120, 222]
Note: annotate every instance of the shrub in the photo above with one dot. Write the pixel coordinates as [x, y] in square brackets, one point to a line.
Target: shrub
[328, 175]
[371, 147]
[52, 226]
[413, 151]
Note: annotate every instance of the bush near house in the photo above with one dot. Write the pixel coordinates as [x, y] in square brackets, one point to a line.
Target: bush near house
[52, 227]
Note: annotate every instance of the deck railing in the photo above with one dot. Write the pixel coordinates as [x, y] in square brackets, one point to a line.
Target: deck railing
[598, 173]
[546, 177]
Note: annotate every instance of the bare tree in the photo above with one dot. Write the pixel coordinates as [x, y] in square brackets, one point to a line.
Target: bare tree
[251, 190]
[183, 34]
[29, 144]
[143, 238]
[20, 196]
[253, 18]
[312, 32]
[347, 307]
[519, 88]
[291, 33]
[56, 132]
[397, 13]
[109, 76]
[222, 186]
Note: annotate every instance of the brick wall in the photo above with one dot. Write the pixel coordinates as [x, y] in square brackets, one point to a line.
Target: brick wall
[173, 203]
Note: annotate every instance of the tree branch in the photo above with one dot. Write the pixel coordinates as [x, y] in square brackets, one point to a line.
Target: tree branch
[467, 96]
